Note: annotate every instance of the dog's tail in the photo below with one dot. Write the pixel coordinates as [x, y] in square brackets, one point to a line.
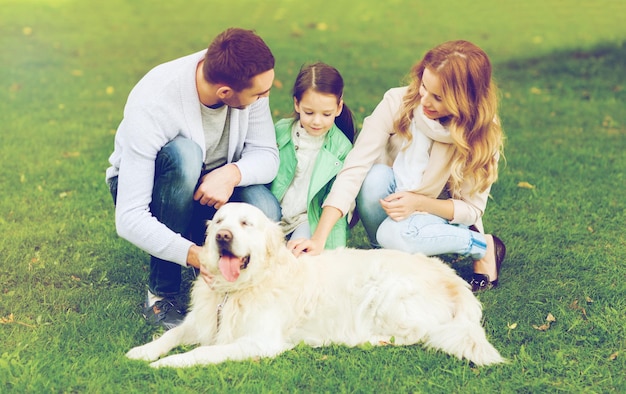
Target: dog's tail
[464, 336]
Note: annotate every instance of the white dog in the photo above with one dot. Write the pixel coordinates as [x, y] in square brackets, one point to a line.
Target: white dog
[264, 301]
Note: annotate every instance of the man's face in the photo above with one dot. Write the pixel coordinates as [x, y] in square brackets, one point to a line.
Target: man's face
[261, 85]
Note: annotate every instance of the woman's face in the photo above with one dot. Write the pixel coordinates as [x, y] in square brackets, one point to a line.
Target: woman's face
[432, 99]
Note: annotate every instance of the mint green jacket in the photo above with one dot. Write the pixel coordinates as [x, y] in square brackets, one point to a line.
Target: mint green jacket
[328, 163]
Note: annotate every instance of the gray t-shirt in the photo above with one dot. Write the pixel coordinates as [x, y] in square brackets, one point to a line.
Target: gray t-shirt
[216, 125]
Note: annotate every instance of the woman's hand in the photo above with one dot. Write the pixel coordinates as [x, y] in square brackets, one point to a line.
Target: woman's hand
[401, 205]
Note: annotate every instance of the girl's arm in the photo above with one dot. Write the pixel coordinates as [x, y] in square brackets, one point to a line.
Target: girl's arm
[315, 245]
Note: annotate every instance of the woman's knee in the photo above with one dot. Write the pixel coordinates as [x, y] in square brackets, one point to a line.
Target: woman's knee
[378, 183]
[389, 235]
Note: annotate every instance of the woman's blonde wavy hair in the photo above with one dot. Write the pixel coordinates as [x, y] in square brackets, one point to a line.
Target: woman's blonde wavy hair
[471, 97]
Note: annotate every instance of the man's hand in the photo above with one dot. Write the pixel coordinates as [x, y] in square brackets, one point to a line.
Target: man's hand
[217, 186]
[193, 256]
[193, 260]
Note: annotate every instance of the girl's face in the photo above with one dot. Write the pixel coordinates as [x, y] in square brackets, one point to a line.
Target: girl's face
[317, 111]
[432, 100]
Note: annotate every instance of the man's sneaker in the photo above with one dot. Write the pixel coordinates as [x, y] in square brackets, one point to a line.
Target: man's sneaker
[165, 312]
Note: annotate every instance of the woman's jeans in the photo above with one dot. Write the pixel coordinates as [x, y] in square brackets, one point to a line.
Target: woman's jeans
[177, 173]
[423, 233]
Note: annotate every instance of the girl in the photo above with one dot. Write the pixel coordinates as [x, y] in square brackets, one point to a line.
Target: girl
[312, 147]
[424, 162]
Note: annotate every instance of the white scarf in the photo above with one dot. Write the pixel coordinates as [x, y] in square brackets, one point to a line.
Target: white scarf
[412, 160]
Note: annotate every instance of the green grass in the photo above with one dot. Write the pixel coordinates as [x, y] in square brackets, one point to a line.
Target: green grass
[70, 289]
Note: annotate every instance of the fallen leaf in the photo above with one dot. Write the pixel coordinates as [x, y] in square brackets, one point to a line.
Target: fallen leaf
[296, 32]
[525, 185]
[6, 320]
[278, 84]
[11, 319]
[613, 356]
[110, 90]
[512, 326]
[608, 122]
[544, 327]
[322, 26]
[535, 90]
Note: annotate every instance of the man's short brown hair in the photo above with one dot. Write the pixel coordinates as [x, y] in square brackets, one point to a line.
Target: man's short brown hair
[235, 56]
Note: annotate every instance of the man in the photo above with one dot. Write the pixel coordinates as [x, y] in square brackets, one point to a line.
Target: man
[197, 132]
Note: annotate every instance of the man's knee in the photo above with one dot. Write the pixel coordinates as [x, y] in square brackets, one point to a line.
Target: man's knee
[183, 157]
[262, 198]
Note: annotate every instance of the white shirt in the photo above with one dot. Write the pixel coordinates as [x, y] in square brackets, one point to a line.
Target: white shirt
[411, 162]
[294, 202]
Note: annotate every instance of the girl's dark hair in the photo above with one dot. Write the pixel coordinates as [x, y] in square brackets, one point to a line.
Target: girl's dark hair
[236, 56]
[325, 79]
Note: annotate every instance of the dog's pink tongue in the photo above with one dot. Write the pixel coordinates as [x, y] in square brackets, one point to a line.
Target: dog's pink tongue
[230, 267]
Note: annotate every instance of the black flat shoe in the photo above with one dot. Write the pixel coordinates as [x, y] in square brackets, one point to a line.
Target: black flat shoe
[481, 282]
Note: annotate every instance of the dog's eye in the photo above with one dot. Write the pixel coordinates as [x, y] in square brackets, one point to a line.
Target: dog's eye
[245, 223]
[218, 221]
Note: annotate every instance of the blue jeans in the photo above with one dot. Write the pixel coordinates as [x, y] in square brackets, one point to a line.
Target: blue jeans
[423, 233]
[178, 169]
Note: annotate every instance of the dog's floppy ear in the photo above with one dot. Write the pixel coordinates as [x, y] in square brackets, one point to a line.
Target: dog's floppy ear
[206, 231]
[275, 239]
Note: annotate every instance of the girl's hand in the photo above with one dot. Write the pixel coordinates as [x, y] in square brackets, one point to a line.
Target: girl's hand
[401, 205]
[302, 245]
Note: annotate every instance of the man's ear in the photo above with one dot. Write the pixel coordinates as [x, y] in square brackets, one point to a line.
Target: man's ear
[224, 92]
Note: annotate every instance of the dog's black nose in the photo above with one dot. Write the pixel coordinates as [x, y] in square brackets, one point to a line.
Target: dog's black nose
[224, 236]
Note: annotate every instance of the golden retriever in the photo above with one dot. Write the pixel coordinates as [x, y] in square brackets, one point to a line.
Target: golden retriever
[263, 300]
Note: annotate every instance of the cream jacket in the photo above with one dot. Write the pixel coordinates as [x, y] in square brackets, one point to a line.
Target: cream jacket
[377, 143]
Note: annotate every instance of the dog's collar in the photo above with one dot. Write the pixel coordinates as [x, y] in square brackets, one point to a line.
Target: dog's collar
[218, 313]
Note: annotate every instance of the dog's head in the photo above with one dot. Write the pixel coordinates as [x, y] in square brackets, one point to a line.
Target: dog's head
[240, 243]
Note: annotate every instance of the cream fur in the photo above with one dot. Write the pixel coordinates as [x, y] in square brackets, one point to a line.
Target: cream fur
[344, 296]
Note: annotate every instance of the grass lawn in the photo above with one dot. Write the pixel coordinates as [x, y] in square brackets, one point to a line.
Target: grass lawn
[70, 289]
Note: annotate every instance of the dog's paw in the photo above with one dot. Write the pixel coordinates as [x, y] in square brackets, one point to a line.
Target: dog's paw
[142, 353]
[174, 361]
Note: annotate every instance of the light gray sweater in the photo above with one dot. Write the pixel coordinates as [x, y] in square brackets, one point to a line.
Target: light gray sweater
[163, 105]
